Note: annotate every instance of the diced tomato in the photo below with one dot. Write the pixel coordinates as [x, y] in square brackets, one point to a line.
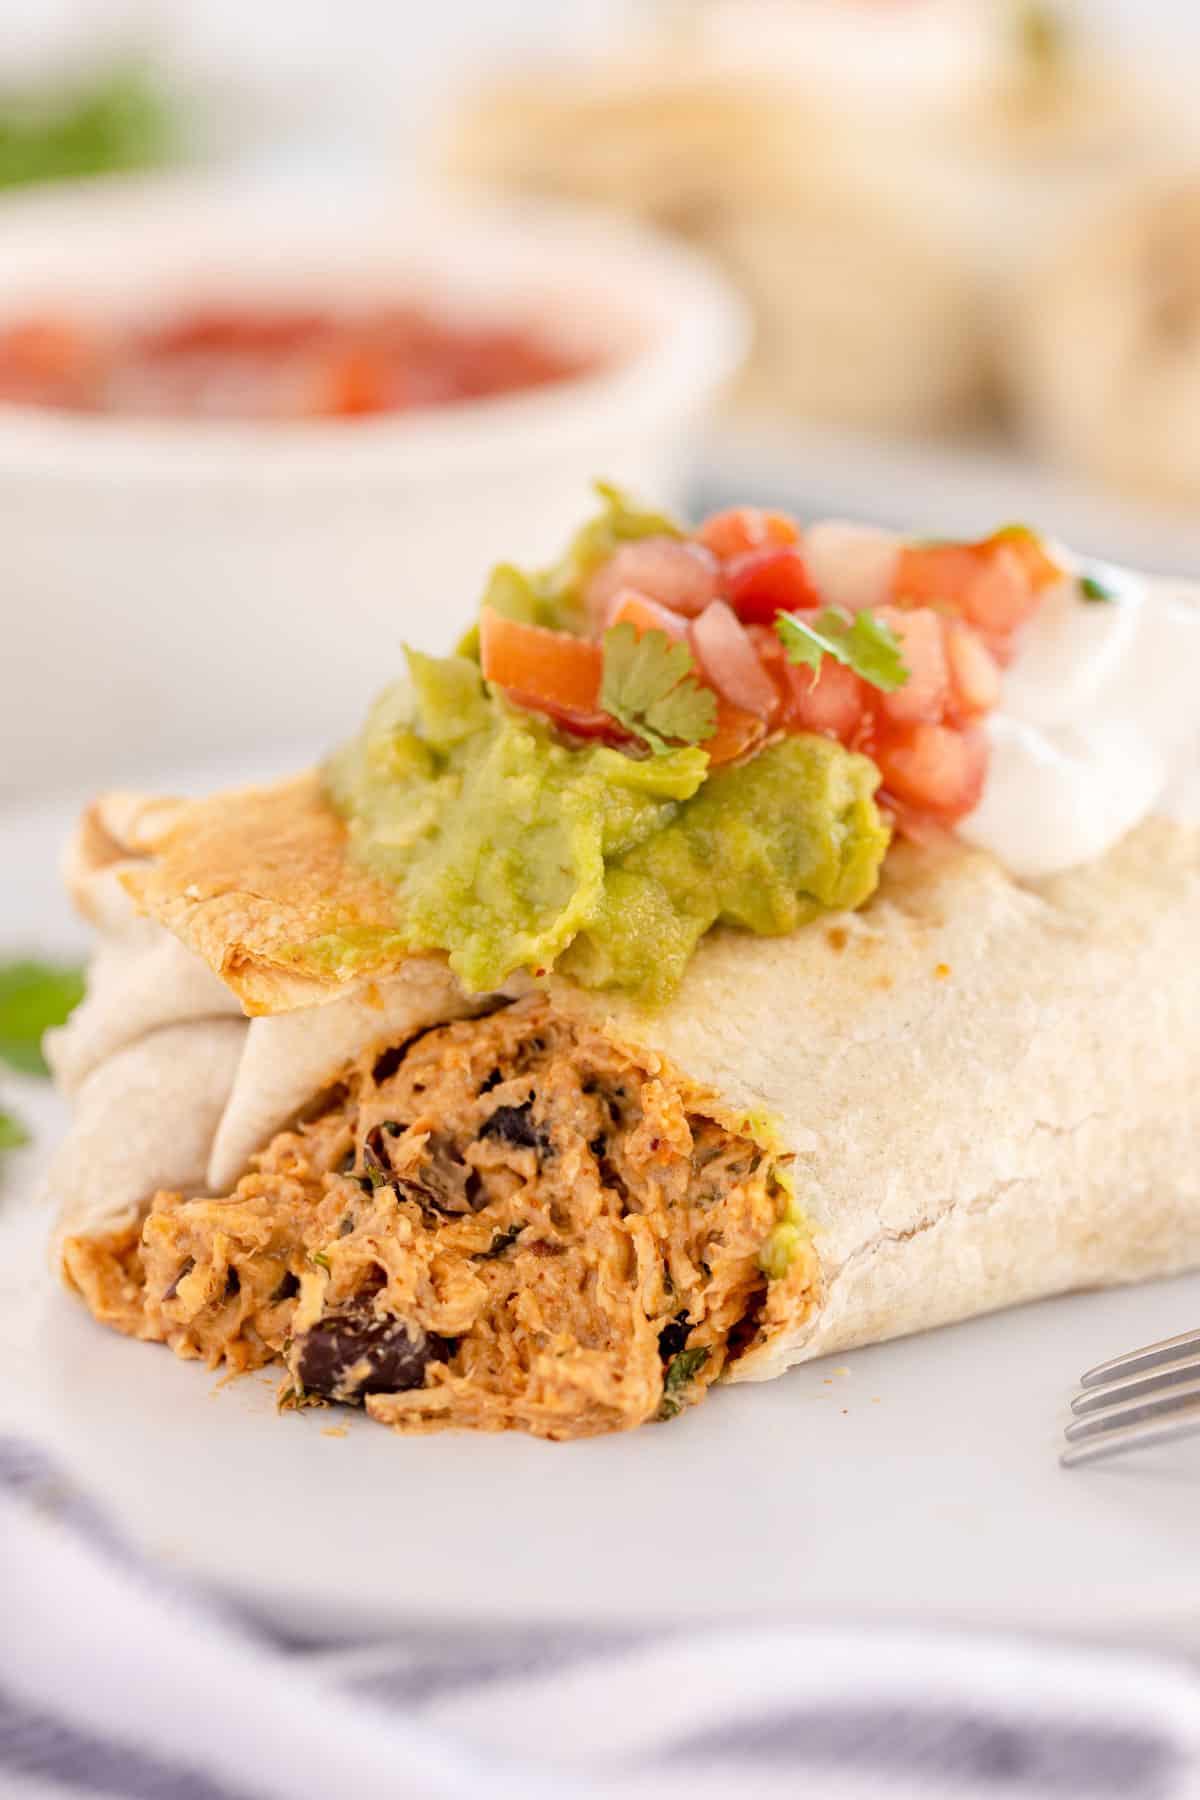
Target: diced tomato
[974, 675]
[924, 694]
[994, 584]
[350, 383]
[771, 655]
[681, 575]
[579, 724]
[1040, 568]
[47, 359]
[833, 702]
[729, 662]
[934, 574]
[261, 332]
[626, 606]
[934, 768]
[743, 528]
[737, 733]
[762, 583]
[1000, 596]
[547, 671]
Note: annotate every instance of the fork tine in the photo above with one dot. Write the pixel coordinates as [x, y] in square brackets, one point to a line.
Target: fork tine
[1090, 1399]
[1113, 1440]
[1147, 1407]
[1151, 1357]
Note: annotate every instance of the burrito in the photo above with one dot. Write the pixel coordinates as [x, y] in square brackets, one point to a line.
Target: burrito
[753, 942]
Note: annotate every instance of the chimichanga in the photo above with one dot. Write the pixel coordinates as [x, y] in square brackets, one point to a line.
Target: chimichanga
[497, 1078]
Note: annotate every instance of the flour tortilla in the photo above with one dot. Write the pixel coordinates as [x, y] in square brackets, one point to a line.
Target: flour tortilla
[142, 1120]
[1104, 353]
[989, 1087]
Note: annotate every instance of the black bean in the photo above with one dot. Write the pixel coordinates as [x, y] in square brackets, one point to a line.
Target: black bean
[389, 1060]
[185, 1269]
[386, 1065]
[674, 1336]
[346, 1225]
[358, 1351]
[502, 1241]
[513, 1125]
[612, 1177]
[451, 1186]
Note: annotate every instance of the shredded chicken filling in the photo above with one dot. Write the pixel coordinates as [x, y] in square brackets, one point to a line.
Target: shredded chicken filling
[508, 1223]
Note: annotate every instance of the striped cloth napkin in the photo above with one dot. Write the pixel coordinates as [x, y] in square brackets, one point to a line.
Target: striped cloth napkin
[119, 1680]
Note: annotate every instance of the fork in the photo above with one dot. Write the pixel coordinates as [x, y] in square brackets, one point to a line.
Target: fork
[1143, 1397]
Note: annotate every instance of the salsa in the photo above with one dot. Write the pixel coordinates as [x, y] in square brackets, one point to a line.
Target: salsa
[272, 363]
[667, 731]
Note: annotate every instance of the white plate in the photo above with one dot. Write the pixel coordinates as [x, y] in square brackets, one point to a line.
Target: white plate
[918, 1479]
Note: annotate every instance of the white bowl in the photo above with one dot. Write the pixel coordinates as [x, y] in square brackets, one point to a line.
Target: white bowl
[168, 587]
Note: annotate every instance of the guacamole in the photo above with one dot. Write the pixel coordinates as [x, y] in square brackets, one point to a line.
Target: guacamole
[511, 848]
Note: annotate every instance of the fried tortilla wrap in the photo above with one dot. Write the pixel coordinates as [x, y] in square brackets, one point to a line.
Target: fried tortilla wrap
[565, 1210]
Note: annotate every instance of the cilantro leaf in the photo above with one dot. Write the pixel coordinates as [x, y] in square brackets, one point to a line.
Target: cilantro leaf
[681, 1370]
[501, 1241]
[33, 997]
[1091, 589]
[12, 1133]
[862, 642]
[649, 687]
[119, 121]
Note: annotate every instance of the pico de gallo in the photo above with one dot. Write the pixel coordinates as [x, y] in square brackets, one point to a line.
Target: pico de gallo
[272, 363]
[669, 730]
[737, 592]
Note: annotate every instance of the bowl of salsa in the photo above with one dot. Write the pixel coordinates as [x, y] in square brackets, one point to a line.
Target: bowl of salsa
[274, 362]
[244, 429]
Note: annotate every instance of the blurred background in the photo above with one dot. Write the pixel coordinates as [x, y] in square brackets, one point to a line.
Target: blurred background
[311, 312]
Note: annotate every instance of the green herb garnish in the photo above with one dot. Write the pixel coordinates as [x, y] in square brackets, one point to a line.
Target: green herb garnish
[33, 997]
[649, 687]
[860, 641]
[501, 1242]
[12, 1133]
[319, 1257]
[119, 121]
[682, 1369]
[1091, 589]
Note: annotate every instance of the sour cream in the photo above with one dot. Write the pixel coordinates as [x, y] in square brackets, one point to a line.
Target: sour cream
[1098, 725]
